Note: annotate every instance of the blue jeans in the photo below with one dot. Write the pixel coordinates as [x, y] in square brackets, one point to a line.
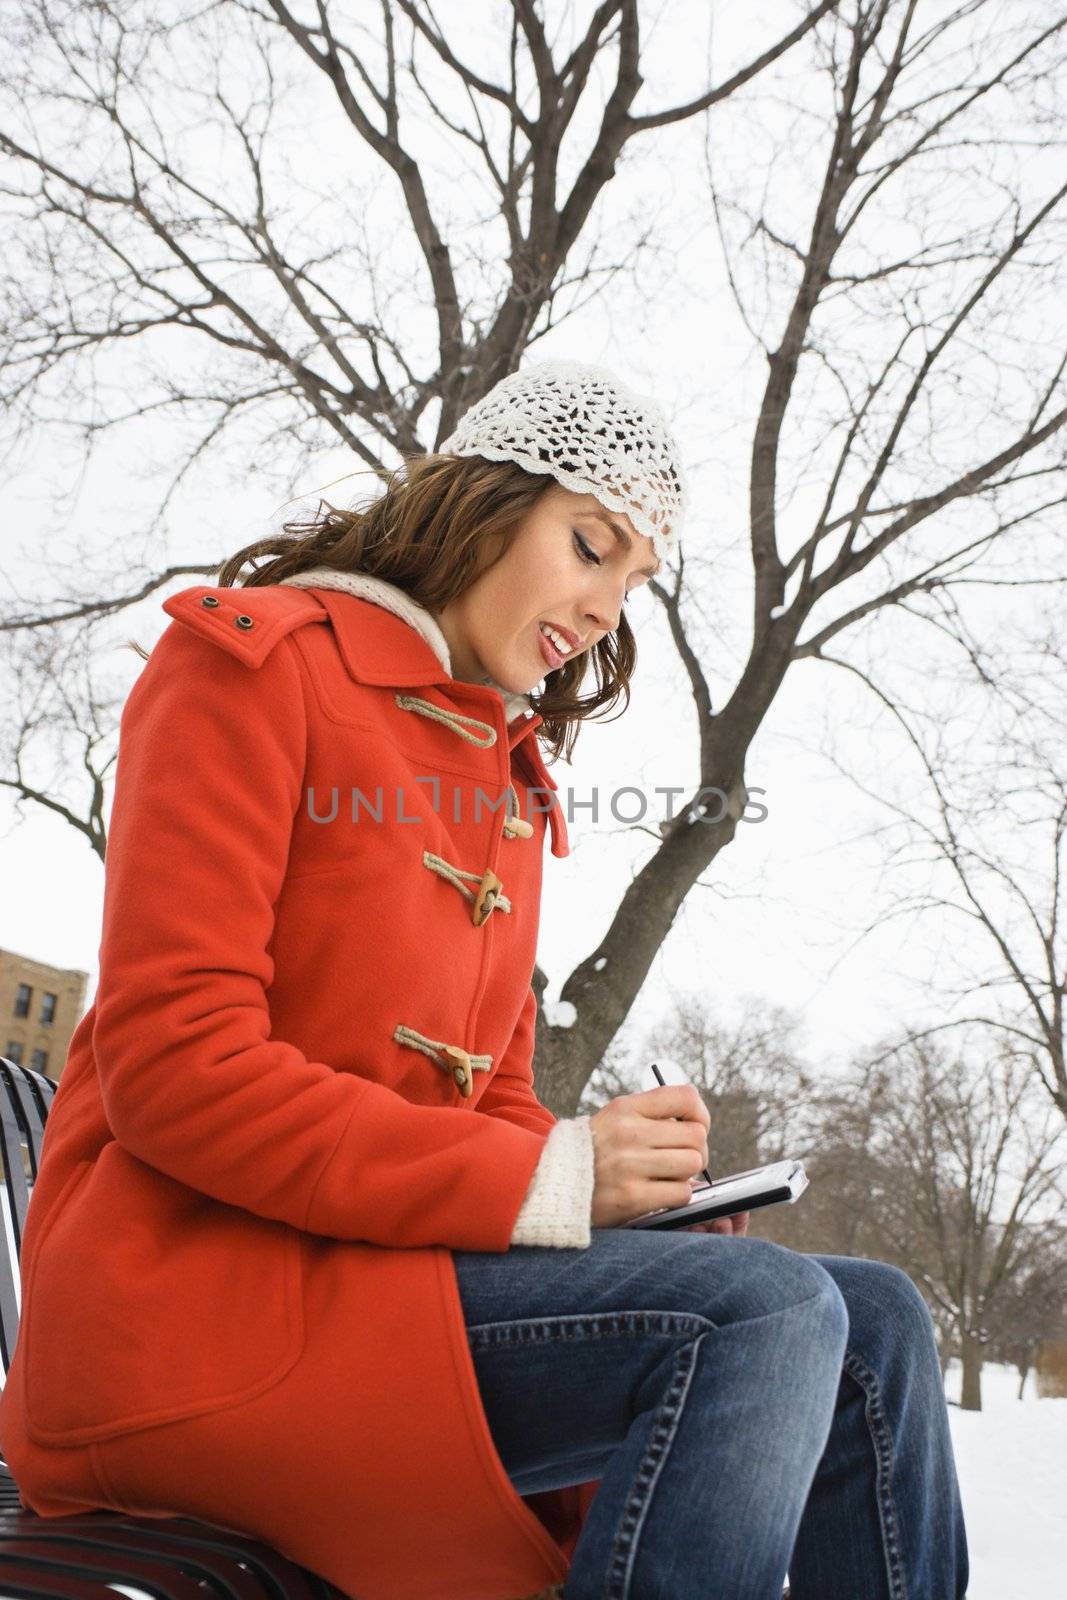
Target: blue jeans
[751, 1411]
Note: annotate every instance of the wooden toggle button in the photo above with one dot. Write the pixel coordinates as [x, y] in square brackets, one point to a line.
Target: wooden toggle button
[486, 898]
[461, 1068]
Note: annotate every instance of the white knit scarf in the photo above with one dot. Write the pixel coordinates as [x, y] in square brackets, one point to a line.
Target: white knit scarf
[392, 598]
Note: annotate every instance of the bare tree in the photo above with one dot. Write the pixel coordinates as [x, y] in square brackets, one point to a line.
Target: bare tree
[871, 328]
[967, 1168]
[849, 1179]
[750, 1075]
[981, 851]
[126, 231]
[129, 233]
[1032, 1311]
[886, 535]
[58, 721]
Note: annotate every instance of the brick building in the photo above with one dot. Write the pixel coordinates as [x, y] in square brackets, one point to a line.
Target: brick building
[40, 1007]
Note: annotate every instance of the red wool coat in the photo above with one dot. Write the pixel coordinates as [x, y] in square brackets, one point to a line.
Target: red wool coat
[305, 1079]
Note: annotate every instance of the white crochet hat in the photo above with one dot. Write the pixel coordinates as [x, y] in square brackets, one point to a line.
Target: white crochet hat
[588, 431]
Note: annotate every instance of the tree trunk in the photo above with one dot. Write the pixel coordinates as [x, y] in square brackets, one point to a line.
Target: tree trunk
[971, 1387]
[944, 1354]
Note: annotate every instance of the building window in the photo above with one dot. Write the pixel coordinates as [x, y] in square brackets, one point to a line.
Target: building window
[39, 1060]
[22, 1000]
[48, 1007]
[14, 1052]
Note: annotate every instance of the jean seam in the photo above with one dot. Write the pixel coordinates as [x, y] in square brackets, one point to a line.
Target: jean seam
[882, 1440]
[540, 1330]
[627, 1536]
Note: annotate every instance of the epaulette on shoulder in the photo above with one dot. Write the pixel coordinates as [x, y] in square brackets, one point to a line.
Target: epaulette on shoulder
[245, 622]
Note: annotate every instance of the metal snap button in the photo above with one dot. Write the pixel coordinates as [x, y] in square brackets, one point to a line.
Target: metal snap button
[243, 622]
[209, 600]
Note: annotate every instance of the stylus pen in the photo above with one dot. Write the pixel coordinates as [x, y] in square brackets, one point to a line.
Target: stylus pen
[659, 1079]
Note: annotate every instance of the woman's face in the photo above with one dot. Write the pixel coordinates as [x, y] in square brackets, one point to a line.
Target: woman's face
[565, 566]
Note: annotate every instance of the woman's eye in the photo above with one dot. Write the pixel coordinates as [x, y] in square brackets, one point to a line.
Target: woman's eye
[588, 554]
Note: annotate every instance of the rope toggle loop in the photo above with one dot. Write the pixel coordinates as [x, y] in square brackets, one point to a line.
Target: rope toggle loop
[487, 897]
[516, 827]
[449, 719]
[456, 1061]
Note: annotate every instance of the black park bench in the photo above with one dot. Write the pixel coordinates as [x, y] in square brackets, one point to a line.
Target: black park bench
[96, 1555]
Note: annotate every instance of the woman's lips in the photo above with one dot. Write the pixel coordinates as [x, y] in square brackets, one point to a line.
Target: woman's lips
[549, 651]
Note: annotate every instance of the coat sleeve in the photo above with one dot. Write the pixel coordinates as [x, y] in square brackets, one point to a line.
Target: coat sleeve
[510, 1093]
[558, 1203]
[209, 780]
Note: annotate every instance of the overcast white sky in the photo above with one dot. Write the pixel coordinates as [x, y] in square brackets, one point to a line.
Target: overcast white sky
[781, 915]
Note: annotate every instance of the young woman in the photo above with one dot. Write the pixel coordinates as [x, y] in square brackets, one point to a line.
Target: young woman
[306, 1257]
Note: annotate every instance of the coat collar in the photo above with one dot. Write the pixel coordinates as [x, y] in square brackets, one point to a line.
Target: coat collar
[386, 639]
[390, 597]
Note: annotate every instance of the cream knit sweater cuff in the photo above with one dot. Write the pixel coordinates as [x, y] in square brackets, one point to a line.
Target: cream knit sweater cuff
[559, 1202]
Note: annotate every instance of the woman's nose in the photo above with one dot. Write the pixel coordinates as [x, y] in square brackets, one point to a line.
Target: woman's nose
[605, 608]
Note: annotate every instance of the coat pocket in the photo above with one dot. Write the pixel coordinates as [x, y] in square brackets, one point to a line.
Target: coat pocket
[147, 1301]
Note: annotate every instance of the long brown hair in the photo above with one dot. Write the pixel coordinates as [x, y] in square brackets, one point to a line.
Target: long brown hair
[441, 522]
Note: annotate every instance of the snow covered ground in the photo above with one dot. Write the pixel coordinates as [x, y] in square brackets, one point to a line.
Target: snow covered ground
[1012, 1463]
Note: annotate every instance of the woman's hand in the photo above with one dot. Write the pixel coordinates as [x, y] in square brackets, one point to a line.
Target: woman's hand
[737, 1224]
[643, 1157]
